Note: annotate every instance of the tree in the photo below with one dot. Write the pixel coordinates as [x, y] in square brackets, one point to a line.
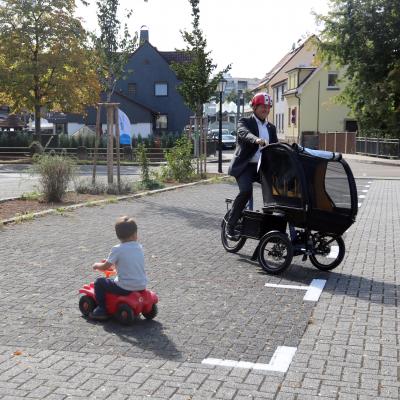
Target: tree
[233, 96]
[44, 60]
[364, 36]
[113, 49]
[197, 85]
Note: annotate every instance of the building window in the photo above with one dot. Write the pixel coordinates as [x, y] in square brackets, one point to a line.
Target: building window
[132, 89]
[289, 112]
[161, 89]
[242, 85]
[283, 90]
[162, 121]
[332, 80]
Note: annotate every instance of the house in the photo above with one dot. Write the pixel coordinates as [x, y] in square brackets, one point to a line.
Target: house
[147, 95]
[229, 115]
[312, 105]
[234, 84]
[275, 81]
[305, 95]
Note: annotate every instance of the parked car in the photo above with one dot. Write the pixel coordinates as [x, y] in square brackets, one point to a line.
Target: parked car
[228, 141]
[213, 133]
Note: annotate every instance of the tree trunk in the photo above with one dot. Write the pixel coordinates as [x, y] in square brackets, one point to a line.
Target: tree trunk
[110, 150]
[117, 147]
[37, 122]
[96, 143]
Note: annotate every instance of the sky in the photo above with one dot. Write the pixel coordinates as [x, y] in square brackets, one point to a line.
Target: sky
[252, 35]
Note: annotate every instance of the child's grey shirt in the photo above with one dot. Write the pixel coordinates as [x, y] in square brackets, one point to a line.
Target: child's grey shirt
[128, 259]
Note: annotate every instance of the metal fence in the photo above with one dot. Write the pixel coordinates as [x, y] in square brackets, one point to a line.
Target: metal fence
[378, 147]
[349, 143]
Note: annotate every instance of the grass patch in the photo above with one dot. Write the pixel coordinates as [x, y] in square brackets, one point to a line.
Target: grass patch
[19, 218]
[31, 196]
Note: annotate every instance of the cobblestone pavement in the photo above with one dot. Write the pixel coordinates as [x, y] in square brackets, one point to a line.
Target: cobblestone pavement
[213, 304]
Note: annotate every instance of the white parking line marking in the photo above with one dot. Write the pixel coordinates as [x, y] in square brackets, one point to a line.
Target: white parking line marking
[359, 205]
[361, 196]
[334, 252]
[279, 362]
[275, 285]
[313, 292]
[364, 191]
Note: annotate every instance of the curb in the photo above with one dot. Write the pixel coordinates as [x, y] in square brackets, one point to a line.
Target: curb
[103, 201]
[391, 163]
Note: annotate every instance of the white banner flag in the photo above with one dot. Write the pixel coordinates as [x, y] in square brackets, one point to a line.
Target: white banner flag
[124, 128]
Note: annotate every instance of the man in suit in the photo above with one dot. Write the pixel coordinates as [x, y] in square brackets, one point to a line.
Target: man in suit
[253, 133]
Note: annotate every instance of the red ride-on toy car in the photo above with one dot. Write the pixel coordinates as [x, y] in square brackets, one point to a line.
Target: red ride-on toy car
[124, 308]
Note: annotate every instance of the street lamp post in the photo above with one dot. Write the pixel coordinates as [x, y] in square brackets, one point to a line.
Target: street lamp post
[221, 88]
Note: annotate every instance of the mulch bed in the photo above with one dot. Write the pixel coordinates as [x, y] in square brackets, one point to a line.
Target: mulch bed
[19, 207]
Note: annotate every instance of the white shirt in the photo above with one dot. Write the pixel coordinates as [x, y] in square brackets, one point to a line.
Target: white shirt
[263, 134]
[128, 259]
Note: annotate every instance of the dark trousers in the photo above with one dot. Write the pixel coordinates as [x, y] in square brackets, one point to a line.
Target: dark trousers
[104, 285]
[245, 182]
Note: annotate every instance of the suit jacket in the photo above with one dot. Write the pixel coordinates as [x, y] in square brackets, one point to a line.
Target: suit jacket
[246, 148]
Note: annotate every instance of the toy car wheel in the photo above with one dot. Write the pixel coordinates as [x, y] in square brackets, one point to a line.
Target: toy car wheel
[328, 251]
[86, 305]
[152, 313]
[125, 314]
[231, 246]
[275, 252]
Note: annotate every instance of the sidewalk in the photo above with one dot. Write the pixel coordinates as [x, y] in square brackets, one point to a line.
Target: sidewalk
[226, 157]
[213, 305]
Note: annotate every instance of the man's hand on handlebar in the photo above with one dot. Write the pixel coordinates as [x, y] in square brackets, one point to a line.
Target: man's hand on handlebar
[261, 142]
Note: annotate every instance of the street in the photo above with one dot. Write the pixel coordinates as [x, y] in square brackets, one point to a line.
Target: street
[221, 332]
[16, 179]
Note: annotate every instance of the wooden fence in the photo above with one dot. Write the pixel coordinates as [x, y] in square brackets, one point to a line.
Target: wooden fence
[342, 142]
[155, 155]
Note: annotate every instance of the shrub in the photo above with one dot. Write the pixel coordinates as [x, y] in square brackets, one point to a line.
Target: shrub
[179, 165]
[125, 187]
[55, 174]
[146, 181]
[64, 141]
[142, 159]
[86, 187]
[36, 148]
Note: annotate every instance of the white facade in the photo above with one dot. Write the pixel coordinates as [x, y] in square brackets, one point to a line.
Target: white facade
[235, 84]
[280, 109]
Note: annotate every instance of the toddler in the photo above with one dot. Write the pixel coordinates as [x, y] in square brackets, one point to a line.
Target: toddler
[128, 260]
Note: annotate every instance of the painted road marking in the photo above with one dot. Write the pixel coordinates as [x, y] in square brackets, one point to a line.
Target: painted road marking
[313, 292]
[279, 362]
[334, 252]
[361, 196]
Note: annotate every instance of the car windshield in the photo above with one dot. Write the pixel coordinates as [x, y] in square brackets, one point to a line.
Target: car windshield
[216, 131]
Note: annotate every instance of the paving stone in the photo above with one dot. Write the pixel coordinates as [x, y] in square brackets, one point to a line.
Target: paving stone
[213, 304]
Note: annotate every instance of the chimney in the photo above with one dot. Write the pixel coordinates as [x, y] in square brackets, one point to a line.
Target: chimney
[144, 34]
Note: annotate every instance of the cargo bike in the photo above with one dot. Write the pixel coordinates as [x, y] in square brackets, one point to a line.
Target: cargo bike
[309, 201]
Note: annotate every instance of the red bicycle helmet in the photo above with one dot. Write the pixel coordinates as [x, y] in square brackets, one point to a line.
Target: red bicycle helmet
[261, 98]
